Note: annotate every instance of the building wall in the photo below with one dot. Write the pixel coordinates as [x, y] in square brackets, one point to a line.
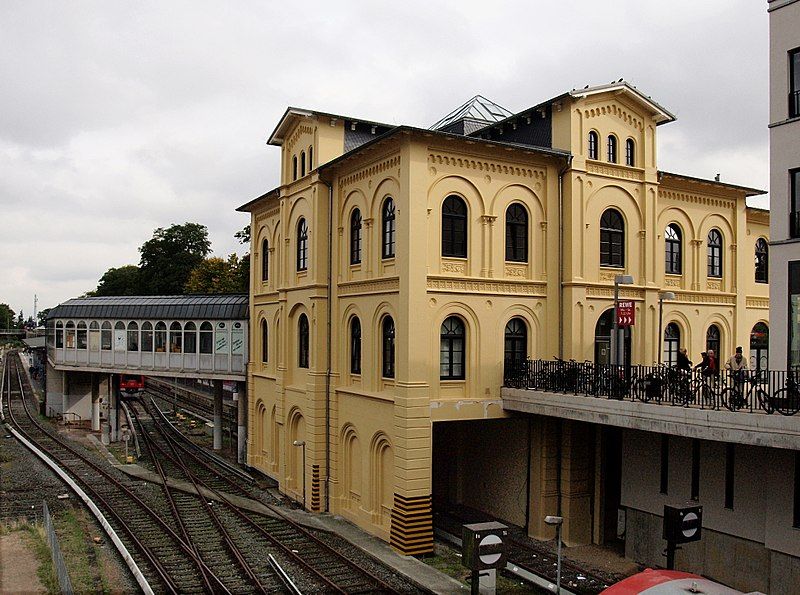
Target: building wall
[738, 543]
[381, 428]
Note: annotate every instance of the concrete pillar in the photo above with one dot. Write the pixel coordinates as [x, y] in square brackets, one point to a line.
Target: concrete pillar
[217, 414]
[105, 435]
[544, 476]
[95, 402]
[576, 482]
[113, 408]
[241, 429]
[65, 394]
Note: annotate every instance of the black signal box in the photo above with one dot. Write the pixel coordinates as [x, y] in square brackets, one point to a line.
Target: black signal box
[683, 524]
[483, 545]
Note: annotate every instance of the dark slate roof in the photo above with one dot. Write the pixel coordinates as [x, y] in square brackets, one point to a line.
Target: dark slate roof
[211, 307]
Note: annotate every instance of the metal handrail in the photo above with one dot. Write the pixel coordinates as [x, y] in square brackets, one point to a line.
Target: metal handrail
[749, 391]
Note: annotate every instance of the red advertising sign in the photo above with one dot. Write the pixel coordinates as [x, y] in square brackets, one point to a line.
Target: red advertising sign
[626, 313]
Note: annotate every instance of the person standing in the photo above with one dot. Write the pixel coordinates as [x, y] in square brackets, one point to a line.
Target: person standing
[683, 364]
[737, 366]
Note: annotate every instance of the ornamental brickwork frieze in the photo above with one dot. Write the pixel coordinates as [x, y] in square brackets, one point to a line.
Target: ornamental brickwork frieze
[376, 167]
[298, 132]
[612, 109]
[608, 292]
[615, 171]
[708, 201]
[483, 165]
[512, 271]
[383, 285]
[454, 267]
[481, 286]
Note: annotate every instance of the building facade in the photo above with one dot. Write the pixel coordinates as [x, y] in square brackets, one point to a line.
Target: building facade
[784, 138]
[397, 270]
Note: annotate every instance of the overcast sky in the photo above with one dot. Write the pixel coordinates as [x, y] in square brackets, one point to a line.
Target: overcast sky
[120, 117]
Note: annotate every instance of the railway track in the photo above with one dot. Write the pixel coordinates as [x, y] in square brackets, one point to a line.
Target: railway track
[183, 542]
[324, 568]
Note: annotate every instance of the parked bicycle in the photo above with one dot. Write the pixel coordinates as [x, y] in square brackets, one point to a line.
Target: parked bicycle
[735, 397]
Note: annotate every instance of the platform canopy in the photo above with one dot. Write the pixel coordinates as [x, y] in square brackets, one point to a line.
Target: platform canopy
[206, 307]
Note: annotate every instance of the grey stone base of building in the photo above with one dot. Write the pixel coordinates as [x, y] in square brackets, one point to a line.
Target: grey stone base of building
[740, 563]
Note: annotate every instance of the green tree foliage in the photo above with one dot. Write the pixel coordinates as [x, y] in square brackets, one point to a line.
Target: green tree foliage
[124, 280]
[243, 235]
[6, 316]
[216, 275]
[41, 316]
[169, 257]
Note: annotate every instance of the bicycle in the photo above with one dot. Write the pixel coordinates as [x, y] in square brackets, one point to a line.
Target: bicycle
[734, 397]
[705, 389]
[786, 400]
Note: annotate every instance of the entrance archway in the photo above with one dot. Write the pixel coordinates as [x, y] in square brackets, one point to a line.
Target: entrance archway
[602, 339]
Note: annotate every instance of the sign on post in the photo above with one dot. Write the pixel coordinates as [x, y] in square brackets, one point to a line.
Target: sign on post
[626, 313]
[483, 545]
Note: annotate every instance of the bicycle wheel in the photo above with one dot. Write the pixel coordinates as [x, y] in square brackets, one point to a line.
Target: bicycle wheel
[765, 401]
[786, 401]
[642, 389]
[732, 399]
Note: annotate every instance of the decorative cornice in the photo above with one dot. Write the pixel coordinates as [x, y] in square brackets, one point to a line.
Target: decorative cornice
[600, 291]
[726, 299]
[372, 169]
[760, 303]
[450, 285]
[709, 201]
[614, 170]
[268, 214]
[298, 132]
[483, 165]
[371, 286]
[612, 109]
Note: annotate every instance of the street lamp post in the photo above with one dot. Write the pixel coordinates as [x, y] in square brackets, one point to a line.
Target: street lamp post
[617, 345]
[557, 522]
[302, 444]
[664, 295]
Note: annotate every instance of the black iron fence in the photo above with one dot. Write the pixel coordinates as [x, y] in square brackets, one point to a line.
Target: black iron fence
[766, 391]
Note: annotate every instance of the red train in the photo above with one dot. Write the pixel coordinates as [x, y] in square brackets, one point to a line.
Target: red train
[131, 383]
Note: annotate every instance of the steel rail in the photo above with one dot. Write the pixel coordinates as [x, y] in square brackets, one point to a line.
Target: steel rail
[380, 583]
[146, 551]
[175, 458]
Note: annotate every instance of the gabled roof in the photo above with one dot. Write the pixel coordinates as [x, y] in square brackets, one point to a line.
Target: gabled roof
[478, 109]
[661, 115]
[279, 134]
[152, 307]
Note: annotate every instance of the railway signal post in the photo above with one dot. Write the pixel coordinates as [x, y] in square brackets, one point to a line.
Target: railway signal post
[682, 524]
[483, 547]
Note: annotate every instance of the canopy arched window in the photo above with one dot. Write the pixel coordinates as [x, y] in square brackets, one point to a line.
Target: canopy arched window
[612, 239]
[516, 233]
[454, 227]
[451, 349]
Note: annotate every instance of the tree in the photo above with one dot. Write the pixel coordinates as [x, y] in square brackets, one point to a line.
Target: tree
[216, 275]
[243, 235]
[169, 257]
[125, 280]
[6, 316]
[41, 316]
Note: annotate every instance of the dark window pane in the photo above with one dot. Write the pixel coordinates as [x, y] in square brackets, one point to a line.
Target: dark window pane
[302, 245]
[388, 347]
[264, 261]
[516, 233]
[355, 346]
[388, 227]
[714, 253]
[355, 237]
[612, 148]
[592, 145]
[612, 239]
[672, 247]
[454, 227]
[451, 351]
[629, 152]
[302, 342]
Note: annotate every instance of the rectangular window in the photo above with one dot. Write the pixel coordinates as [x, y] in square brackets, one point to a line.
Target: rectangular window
[793, 282]
[695, 469]
[664, 464]
[730, 461]
[794, 203]
[794, 83]
[796, 516]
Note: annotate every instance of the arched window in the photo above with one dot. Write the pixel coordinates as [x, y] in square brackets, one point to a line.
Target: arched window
[630, 159]
[294, 167]
[388, 228]
[94, 336]
[175, 337]
[133, 336]
[759, 347]
[672, 250]
[612, 239]
[161, 337]
[355, 237]
[302, 245]
[713, 342]
[264, 261]
[120, 339]
[672, 342]
[70, 335]
[105, 336]
[516, 344]
[451, 350]
[714, 253]
[516, 233]
[355, 345]
[387, 334]
[147, 337]
[302, 163]
[264, 342]
[60, 334]
[302, 341]
[190, 338]
[612, 148]
[593, 142]
[206, 338]
[310, 157]
[82, 337]
[454, 227]
[762, 261]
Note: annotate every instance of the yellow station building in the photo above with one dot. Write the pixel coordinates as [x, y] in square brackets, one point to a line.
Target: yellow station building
[396, 269]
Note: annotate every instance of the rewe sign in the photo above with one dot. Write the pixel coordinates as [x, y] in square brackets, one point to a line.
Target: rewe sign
[626, 313]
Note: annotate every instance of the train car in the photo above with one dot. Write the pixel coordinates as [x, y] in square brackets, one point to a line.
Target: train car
[131, 383]
[668, 582]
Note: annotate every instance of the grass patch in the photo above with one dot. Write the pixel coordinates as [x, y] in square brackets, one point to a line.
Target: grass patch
[75, 538]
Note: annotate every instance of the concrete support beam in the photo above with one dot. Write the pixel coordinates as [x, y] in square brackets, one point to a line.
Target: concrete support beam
[217, 414]
[241, 416]
[95, 402]
[544, 476]
[575, 483]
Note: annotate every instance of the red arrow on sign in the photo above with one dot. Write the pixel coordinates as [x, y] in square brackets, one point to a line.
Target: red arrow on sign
[626, 313]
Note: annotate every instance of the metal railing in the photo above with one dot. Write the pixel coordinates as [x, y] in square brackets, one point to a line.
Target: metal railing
[749, 391]
[58, 560]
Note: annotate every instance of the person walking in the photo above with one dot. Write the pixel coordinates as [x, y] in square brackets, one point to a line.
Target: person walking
[683, 364]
